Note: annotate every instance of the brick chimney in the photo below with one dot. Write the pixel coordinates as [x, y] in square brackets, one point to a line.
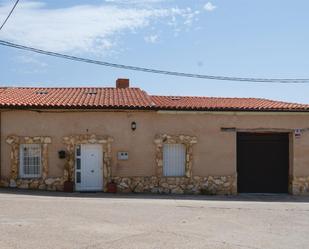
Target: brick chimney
[122, 83]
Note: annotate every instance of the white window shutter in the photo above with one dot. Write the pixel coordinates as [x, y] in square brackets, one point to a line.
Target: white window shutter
[174, 159]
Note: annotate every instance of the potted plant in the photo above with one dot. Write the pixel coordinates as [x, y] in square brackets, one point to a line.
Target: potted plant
[112, 187]
[68, 185]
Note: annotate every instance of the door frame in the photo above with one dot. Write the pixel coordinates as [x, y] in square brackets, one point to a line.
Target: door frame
[290, 138]
[70, 143]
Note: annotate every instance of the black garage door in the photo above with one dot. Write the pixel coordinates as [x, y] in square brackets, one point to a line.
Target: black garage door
[262, 162]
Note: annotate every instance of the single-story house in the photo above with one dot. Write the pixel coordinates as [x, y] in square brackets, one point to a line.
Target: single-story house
[95, 137]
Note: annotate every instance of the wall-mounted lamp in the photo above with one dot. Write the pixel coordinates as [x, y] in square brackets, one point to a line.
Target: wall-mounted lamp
[133, 126]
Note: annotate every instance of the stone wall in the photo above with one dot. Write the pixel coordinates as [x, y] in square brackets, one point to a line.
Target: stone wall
[300, 185]
[50, 183]
[178, 185]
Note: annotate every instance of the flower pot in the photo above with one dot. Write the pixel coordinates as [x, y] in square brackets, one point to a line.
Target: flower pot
[68, 186]
[111, 187]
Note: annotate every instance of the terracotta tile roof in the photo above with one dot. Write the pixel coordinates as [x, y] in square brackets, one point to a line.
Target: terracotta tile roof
[221, 104]
[131, 98]
[83, 97]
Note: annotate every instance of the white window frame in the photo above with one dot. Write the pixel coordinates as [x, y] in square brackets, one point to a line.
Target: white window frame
[22, 148]
[174, 170]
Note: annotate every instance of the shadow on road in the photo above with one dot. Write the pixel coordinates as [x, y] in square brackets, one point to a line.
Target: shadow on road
[239, 197]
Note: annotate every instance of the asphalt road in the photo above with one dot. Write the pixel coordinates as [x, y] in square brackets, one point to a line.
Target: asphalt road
[53, 220]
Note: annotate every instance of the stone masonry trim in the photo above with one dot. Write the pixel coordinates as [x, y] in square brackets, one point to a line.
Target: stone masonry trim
[300, 185]
[34, 183]
[73, 140]
[186, 140]
[222, 185]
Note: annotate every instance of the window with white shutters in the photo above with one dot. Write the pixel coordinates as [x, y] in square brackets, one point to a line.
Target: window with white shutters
[174, 159]
[30, 160]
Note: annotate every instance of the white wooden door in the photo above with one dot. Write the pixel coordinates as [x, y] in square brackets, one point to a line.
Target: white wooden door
[91, 168]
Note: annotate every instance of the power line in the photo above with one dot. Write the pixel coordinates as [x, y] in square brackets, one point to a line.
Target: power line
[150, 70]
[143, 69]
[10, 13]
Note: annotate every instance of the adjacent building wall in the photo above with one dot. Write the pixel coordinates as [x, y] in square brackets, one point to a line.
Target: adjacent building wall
[214, 154]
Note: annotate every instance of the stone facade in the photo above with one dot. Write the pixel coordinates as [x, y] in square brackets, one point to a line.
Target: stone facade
[71, 142]
[50, 183]
[178, 185]
[300, 185]
[44, 182]
[187, 184]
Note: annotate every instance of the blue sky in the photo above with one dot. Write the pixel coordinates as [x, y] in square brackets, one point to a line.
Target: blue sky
[242, 38]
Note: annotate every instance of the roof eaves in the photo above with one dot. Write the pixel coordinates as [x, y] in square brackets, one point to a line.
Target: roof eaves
[57, 107]
[228, 109]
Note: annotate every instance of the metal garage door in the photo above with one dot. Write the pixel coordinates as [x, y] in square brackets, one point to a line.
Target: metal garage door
[262, 162]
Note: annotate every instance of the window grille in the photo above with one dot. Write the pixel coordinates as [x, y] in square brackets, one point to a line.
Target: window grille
[30, 160]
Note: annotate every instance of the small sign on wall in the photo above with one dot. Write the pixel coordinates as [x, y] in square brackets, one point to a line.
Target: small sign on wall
[297, 133]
